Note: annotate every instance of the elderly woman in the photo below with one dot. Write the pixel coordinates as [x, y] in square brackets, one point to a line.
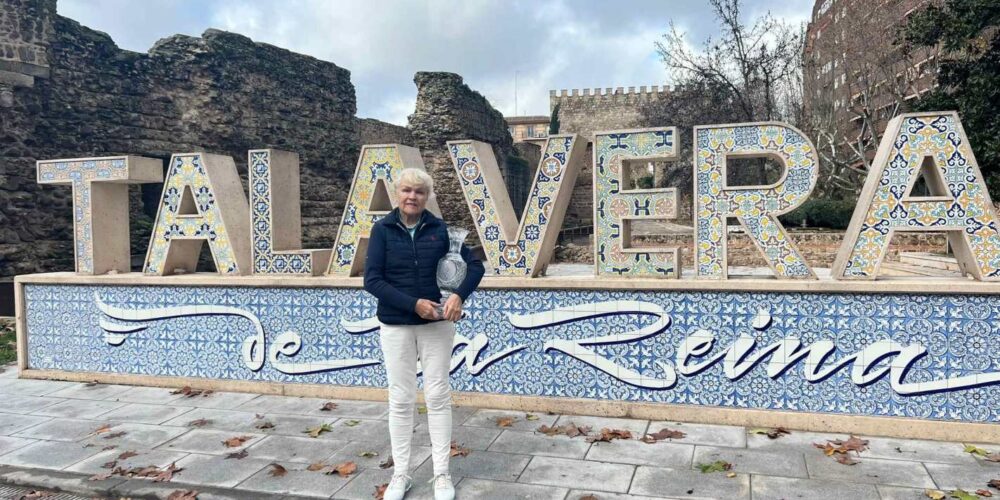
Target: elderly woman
[400, 270]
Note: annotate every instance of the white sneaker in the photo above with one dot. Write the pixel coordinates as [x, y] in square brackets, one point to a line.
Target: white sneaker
[443, 489]
[398, 487]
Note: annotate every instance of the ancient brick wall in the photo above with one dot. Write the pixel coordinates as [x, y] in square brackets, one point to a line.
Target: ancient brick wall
[221, 93]
[585, 111]
[373, 131]
[447, 109]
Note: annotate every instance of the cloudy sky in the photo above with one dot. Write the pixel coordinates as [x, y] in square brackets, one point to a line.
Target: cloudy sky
[550, 44]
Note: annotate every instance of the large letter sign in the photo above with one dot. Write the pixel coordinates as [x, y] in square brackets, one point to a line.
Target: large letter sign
[518, 249]
[373, 195]
[756, 207]
[202, 201]
[959, 203]
[275, 222]
[100, 187]
[616, 205]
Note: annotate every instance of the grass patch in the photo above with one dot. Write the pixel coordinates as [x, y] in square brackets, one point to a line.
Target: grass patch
[8, 341]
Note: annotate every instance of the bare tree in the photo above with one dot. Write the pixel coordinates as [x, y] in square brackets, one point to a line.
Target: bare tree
[748, 72]
[858, 76]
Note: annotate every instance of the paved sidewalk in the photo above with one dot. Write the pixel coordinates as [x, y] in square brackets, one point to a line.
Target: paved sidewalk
[57, 435]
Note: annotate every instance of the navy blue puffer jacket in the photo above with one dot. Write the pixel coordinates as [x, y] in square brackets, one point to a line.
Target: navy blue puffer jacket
[399, 269]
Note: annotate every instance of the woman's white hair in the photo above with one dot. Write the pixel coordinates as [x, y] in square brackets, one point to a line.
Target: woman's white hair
[415, 177]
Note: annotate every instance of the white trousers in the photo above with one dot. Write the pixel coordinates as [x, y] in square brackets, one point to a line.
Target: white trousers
[402, 345]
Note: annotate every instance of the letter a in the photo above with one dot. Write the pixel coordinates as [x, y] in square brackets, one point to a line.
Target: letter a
[959, 204]
[373, 195]
[512, 249]
[202, 201]
[756, 207]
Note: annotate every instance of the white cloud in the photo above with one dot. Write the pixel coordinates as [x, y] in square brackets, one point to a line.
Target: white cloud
[554, 44]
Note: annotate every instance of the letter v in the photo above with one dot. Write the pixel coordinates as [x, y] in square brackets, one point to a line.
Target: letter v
[518, 249]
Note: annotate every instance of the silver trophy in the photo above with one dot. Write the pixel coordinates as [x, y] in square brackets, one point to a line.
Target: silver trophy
[451, 268]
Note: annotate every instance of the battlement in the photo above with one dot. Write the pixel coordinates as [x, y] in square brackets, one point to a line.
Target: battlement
[652, 91]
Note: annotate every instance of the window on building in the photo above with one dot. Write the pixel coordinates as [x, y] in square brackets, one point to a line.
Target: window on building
[531, 131]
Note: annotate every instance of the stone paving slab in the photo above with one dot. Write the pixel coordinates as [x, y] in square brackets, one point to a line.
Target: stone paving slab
[917, 450]
[633, 451]
[870, 470]
[784, 463]
[148, 395]
[474, 438]
[488, 418]
[28, 387]
[350, 409]
[296, 481]
[652, 481]
[811, 489]
[636, 427]
[97, 464]
[569, 473]
[950, 476]
[12, 424]
[706, 434]
[210, 442]
[212, 470]
[137, 436]
[282, 404]
[145, 413]
[26, 404]
[484, 489]
[527, 443]
[78, 408]
[481, 465]
[217, 400]
[48, 455]
[91, 392]
[216, 419]
[295, 449]
[9, 444]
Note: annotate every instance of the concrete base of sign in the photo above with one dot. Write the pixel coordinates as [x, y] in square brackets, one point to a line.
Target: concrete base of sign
[899, 357]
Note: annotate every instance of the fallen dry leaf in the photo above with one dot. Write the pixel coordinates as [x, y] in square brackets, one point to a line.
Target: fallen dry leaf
[110, 465]
[380, 491]
[607, 435]
[994, 483]
[102, 429]
[570, 429]
[318, 466]
[319, 429]
[237, 441]
[854, 444]
[114, 435]
[530, 416]
[329, 406]
[387, 464]
[92, 383]
[128, 454]
[975, 450]
[277, 470]
[962, 495]
[847, 460]
[343, 469]
[422, 410]
[266, 424]
[352, 423]
[716, 466]
[238, 455]
[33, 494]
[774, 433]
[458, 451]
[201, 422]
[505, 421]
[100, 477]
[662, 434]
[183, 495]
[934, 494]
[368, 454]
[166, 474]
[984, 493]
[109, 447]
[992, 457]
[588, 497]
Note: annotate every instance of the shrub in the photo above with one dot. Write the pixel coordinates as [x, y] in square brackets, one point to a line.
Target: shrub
[830, 214]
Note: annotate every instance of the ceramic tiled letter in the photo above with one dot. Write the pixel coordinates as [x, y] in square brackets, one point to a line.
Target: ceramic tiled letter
[100, 205]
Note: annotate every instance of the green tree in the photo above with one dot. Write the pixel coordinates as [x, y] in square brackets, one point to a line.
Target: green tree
[968, 33]
[554, 121]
